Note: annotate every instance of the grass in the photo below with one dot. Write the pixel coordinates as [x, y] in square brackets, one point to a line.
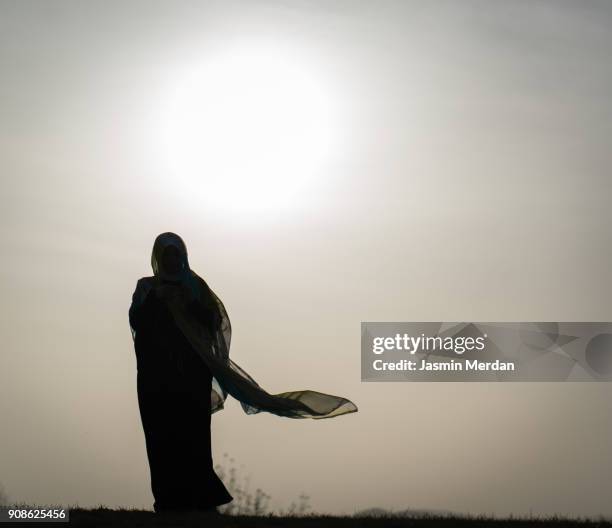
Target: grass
[103, 517]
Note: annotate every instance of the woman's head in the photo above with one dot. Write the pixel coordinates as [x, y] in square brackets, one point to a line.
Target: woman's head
[169, 257]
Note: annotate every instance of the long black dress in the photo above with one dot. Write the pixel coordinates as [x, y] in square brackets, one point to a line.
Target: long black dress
[174, 396]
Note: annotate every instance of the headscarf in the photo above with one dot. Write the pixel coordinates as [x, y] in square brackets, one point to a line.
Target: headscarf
[162, 243]
[211, 339]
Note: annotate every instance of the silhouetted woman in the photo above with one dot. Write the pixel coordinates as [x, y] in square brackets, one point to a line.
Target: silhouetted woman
[182, 337]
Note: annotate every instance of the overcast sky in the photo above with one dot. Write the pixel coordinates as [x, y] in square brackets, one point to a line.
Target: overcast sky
[469, 180]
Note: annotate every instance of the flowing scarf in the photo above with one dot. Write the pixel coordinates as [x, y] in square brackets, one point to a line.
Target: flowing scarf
[210, 335]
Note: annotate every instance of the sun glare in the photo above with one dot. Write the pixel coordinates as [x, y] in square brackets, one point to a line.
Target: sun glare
[248, 130]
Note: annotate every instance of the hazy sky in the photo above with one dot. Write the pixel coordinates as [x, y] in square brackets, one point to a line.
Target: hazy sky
[467, 178]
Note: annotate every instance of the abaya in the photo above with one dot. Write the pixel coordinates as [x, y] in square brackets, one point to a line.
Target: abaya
[182, 336]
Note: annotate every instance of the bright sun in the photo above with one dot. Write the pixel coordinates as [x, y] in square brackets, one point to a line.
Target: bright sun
[248, 130]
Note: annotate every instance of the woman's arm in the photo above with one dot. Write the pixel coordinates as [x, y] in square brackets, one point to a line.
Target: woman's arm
[141, 303]
[204, 313]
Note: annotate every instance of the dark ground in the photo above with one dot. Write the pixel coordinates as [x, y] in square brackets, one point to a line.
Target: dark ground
[138, 518]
